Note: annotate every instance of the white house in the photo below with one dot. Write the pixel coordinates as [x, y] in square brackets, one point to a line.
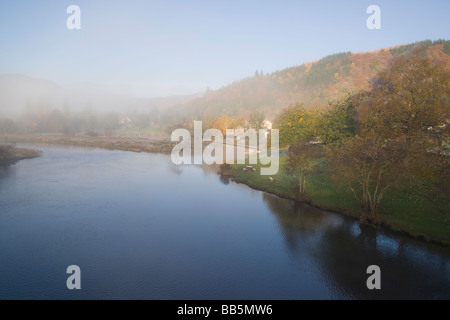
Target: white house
[267, 125]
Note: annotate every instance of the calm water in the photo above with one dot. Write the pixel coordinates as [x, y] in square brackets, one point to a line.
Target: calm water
[141, 228]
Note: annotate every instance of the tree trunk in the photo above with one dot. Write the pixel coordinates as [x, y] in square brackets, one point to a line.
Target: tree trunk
[367, 217]
[301, 183]
[370, 205]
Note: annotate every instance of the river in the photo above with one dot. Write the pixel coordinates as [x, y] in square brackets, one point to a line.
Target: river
[140, 227]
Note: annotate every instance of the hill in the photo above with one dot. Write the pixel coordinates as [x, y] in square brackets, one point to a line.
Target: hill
[315, 83]
[21, 94]
[18, 91]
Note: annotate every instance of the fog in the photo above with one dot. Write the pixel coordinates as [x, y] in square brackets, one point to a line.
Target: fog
[32, 105]
[20, 94]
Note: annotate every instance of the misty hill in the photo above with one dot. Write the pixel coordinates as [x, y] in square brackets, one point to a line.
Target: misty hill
[17, 92]
[21, 94]
[314, 83]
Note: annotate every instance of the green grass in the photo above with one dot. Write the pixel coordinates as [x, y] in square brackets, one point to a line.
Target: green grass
[282, 185]
[413, 210]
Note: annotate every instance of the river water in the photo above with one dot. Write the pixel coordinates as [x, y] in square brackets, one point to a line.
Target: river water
[140, 227]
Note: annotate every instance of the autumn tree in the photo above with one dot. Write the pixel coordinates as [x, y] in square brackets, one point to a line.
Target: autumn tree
[223, 123]
[409, 99]
[238, 123]
[297, 125]
[408, 102]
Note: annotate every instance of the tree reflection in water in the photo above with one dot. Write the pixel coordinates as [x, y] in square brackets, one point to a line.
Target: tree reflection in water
[342, 250]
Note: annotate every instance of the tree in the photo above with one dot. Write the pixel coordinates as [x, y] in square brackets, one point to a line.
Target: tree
[223, 123]
[56, 122]
[303, 157]
[6, 153]
[297, 125]
[369, 166]
[339, 123]
[141, 119]
[256, 120]
[109, 122]
[89, 121]
[238, 123]
[7, 126]
[408, 102]
[207, 121]
[409, 98]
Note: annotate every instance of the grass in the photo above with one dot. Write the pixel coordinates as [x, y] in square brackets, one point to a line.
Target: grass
[282, 184]
[412, 210]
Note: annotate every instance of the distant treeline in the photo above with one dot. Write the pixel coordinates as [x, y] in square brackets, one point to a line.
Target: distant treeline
[62, 121]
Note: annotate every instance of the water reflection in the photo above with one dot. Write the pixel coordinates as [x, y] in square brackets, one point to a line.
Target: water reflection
[5, 171]
[176, 169]
[343, 250]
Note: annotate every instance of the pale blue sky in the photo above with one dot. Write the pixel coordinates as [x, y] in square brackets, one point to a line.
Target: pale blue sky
[167, 47]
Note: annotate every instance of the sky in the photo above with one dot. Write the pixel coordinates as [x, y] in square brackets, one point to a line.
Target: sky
[159, 48]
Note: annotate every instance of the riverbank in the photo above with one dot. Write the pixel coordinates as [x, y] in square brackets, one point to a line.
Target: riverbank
[414, 211]
[134, 144]
[411, 210]
[10, 155]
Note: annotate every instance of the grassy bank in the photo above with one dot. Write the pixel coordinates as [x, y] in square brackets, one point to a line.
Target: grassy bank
[410, 210]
